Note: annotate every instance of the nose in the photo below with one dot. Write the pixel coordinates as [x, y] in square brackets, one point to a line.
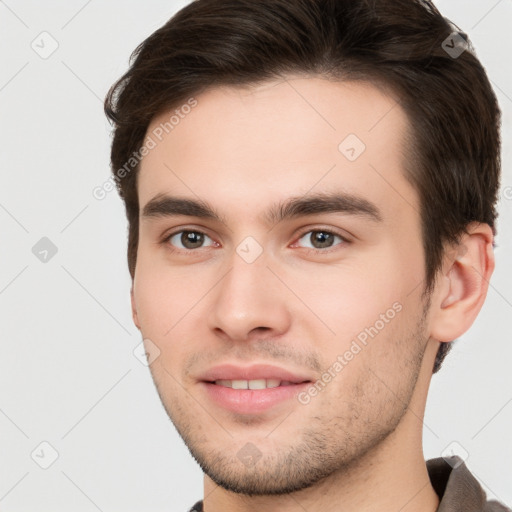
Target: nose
[249, 302]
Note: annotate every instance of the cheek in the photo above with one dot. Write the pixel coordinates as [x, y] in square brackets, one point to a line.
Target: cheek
[162, 312]
[352, 296]
[365, 309]
[375, 367]
[170, 304]
[160, 298]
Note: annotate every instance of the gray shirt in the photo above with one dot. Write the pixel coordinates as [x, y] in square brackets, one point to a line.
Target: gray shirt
[458, 489]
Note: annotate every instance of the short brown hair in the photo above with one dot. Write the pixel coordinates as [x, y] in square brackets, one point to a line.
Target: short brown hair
[404, 45]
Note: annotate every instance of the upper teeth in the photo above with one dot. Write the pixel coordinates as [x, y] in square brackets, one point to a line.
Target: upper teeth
[253, 384]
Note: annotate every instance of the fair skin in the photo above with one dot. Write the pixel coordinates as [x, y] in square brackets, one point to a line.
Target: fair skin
[356, 444]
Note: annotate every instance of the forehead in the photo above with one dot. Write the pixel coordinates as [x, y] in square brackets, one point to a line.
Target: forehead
[239, 145]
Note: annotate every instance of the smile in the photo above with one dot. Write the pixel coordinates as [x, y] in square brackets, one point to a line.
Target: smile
[253, 384]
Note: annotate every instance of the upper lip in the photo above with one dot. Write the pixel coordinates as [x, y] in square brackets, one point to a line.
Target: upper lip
[253, 372]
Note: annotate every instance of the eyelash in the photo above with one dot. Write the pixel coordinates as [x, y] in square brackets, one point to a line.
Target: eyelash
[344, 240]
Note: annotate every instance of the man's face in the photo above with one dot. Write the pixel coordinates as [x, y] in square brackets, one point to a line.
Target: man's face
[329, 287]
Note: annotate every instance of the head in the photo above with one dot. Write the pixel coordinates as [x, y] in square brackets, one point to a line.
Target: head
[257, 117]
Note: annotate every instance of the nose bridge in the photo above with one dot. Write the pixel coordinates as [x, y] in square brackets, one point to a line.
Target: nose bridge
[246, 298]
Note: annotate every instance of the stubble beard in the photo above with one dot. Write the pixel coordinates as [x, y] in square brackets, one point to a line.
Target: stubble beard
[328, 445]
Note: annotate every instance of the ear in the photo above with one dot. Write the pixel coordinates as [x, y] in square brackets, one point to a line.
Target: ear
[134, 310]
[463, 284]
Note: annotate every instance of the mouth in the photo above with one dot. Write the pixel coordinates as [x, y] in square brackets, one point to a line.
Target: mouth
[252, 390]
[255, 383]
[256, 376]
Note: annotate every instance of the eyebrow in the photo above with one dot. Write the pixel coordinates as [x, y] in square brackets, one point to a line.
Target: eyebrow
[163, 205]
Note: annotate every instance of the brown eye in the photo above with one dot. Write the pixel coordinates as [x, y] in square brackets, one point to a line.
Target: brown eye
[188, 239]
[320, 239]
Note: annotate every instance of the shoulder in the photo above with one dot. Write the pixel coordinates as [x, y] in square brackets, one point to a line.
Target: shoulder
[458, 489]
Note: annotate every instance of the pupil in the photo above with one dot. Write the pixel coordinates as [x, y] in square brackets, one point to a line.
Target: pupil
[322, 239]
[192, 239]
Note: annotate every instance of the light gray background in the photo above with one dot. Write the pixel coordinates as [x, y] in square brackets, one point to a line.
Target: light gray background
[68, 375]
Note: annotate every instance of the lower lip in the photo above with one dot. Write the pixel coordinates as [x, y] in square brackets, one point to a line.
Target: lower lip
[251, 401]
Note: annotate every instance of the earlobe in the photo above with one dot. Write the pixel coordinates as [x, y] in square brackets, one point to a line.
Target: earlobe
[134, 310]
[463, 286]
